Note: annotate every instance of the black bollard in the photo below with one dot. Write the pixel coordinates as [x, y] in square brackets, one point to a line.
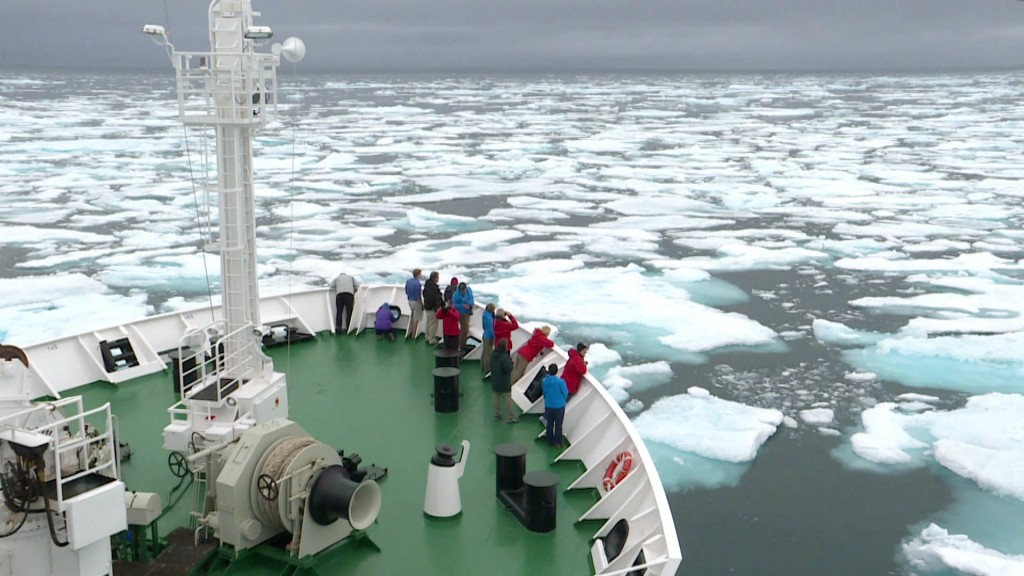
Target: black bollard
[541, 500]
[511, 466]
[446, 358]
[446, 390]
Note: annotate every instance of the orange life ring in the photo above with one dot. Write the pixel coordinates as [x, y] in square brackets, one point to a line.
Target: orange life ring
[617, 470]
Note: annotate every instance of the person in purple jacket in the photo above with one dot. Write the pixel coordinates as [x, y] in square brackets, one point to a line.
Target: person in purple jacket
[384, 323]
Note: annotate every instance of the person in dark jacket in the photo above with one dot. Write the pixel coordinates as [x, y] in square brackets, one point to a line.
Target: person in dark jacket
[449, 290]
[449, 317]
[432, 301]
[527, 352]
[556, 394]
[575, 368]
[501, 381]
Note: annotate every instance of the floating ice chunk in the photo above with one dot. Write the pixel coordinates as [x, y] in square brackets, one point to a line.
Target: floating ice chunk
[666, 222]
[639, 377]
[817, 416]
[33, 235]
[1000, 471]
[885, 439]
[981, 441]
[633, 406]
[301, 210]
[546, 266]
[836, 334]
[915, 406]
[618, 394]
[748, 257]
[915, 397]
[972, 348]
[659, 310]
[860, 376]
[70, 313]
[936, 551]
[599, 354]
[700, 423]
[657, 205]
[856, 247]
[829, 431]
[729, 329]
[978, 262]
[420, 219]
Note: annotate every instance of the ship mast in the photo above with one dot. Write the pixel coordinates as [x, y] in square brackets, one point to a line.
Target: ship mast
[232, 89]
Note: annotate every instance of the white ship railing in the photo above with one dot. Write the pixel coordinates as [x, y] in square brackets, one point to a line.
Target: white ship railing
[68, 439]
[214, 88]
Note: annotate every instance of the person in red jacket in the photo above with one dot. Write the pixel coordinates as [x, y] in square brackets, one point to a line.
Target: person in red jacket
[575, 368]
[504, 324]
[527, 352]
[450, 328]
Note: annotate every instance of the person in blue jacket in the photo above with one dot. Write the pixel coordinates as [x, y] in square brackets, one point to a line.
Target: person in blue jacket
[414, 292]
[463, 302]
[488, 323]
[556, 394]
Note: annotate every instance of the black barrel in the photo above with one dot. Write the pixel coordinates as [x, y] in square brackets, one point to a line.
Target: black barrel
[511, 459]
[446, 358]
[446, 390]
[179, 366]
[541, 500]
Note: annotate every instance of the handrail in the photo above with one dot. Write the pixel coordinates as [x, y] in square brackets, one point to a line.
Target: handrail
[76, 442]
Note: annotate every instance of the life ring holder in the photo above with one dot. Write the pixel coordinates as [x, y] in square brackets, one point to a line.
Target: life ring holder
[617, 470]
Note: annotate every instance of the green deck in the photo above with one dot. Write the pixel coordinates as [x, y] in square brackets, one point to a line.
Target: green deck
[373, 398]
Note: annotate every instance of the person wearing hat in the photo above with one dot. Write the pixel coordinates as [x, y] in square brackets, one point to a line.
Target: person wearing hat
[449, 290]
[575, 368]
[504, 325]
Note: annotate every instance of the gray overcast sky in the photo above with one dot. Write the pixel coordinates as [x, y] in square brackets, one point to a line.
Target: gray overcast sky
[501, 35]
